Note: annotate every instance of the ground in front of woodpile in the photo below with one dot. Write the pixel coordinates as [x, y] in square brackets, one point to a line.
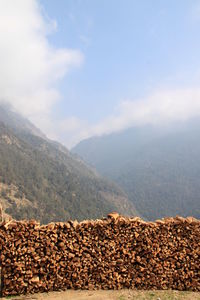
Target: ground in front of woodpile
[111, 295]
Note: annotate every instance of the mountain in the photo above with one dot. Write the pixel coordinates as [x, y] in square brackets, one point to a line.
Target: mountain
[41, 179]
[17, 122]
[158, 167]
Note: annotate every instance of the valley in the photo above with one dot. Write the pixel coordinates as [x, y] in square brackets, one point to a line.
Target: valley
[158, 167]
[41, 179]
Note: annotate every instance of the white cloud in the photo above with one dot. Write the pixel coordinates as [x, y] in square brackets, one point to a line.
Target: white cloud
[160, 108]
[30, 66]
[163, 106]
[68, 131]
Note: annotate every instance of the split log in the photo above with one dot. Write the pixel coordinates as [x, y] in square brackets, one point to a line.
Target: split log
[112, 253]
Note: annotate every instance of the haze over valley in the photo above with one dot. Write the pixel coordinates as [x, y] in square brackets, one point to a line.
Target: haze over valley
[99, 109]
[158, 167]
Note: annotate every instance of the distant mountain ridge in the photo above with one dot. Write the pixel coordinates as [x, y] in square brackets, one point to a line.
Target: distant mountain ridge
[159, 168]
[41, 179]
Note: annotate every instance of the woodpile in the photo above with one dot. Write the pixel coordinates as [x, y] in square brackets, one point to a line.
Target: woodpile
[112, 253]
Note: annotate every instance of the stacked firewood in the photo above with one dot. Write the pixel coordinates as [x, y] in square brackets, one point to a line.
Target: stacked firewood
[112, 253]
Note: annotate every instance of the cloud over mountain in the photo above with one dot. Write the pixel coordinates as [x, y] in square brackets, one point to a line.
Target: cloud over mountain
[30, 66]
[159, 108]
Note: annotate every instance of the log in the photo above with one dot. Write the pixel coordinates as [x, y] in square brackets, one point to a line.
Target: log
[111, 253]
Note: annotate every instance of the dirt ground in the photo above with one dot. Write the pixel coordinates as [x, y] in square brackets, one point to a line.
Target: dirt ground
[111, 295]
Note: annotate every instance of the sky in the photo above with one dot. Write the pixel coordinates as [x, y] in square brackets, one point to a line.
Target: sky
[78, 68]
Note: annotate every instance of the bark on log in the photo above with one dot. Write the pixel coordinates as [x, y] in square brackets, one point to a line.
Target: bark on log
[112, 253]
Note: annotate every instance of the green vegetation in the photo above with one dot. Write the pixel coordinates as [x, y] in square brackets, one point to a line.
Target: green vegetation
[55, 184]
[159, 169]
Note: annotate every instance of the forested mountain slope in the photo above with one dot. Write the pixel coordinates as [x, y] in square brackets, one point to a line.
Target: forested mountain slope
[41, 179]
[17, 122]
[159, 168]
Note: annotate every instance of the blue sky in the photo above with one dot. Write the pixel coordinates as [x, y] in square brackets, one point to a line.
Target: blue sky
[130, 48]
[103, 65]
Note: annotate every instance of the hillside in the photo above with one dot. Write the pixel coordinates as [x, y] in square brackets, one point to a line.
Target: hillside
[17, 122]
[158, 168]
[41, 179]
